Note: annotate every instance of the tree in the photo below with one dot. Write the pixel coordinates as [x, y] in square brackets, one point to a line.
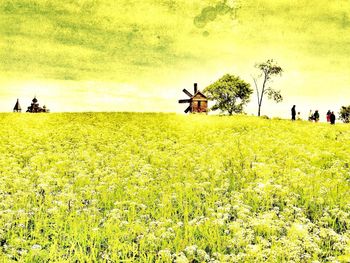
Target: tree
[344, 114]
[267, 70]
[230, 94]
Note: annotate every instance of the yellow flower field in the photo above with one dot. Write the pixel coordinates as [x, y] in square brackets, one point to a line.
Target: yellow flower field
[137, 187]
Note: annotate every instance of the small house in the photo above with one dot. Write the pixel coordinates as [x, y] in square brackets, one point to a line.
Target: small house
[197, 102]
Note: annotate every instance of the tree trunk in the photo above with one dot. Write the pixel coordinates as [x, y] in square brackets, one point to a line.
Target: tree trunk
[262, 93]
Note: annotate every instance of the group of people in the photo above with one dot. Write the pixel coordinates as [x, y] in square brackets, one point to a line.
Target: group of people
[314, 116]
[330, 117]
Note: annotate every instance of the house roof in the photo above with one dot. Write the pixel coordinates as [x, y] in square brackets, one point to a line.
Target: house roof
[199, 93]
[17, 106]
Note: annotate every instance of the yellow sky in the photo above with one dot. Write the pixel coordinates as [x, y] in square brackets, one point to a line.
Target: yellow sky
[137, 56]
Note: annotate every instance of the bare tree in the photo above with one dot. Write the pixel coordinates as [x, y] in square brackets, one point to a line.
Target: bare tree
[267, 69]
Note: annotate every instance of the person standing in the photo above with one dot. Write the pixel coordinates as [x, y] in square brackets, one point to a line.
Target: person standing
[316, 116]
[293, 113]
[328, 116]
[332, 118]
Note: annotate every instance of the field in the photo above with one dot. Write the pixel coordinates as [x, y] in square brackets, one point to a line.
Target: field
[127, 187]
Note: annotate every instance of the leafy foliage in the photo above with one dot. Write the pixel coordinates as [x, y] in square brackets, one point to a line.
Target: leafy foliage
[274, 95]
[344, 114]
[267, 70]
[230, 94]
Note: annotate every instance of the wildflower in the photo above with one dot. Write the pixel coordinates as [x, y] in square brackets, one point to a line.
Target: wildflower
[36, 247]
[202, 255]
[180, 224]
[22, 251]
[190, 251]
[181, 258]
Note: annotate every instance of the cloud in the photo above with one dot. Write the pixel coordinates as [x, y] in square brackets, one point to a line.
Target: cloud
[169, 44]
[116, 40]
[87, 39]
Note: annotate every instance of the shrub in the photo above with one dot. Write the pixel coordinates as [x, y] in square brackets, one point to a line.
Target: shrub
[344, 114]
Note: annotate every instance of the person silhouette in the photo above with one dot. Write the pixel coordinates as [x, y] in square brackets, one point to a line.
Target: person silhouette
[316, 116]
[329, 116]
[293, 113]
[332, 118]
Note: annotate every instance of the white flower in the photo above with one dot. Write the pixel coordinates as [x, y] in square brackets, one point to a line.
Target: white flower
[180, 224]
[191, 250]
[202, 255]
[22, 251]
[181, 258]
[36, 247]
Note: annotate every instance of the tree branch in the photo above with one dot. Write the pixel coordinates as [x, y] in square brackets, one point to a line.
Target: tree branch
[263, 87]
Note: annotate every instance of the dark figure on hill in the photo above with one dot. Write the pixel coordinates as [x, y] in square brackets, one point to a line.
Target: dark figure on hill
[332, 118]
[316, 116]
[293, 113]
[328, 116]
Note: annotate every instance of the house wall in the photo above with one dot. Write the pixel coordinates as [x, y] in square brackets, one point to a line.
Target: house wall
[200, 105]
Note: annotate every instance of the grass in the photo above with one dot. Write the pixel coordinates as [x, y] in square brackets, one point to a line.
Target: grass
[132, 187]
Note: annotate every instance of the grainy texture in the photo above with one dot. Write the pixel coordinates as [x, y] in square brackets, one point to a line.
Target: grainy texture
[68, 48]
